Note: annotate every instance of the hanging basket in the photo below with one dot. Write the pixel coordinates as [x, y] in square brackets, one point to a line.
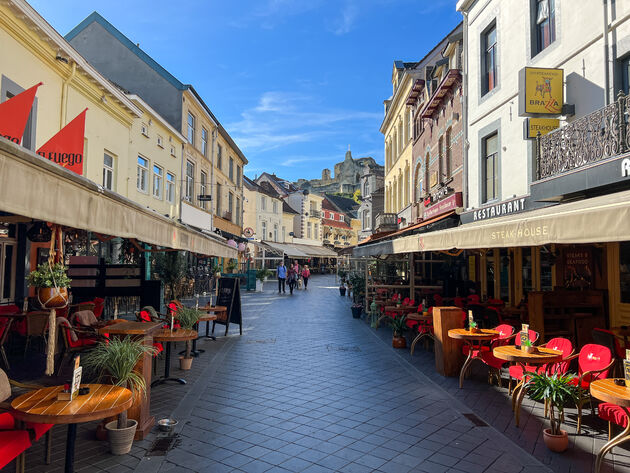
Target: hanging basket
[53, 297]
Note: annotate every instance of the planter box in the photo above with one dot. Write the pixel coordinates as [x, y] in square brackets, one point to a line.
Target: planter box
[259, 286]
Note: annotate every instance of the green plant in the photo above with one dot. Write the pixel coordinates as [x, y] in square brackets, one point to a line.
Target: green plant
[343, 274]
[263, 273]
[472, 324]
[556, 390]
[526, 343]
[171, 268]
[398, 324]
[188, 317]
[357, 281]
[116, 359]
[231, 266]
[49, 276]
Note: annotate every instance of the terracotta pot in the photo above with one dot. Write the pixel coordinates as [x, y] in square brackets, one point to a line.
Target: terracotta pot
[52, 297]
[528, 350]
[185, 363]
[556, 443]
[399, 342]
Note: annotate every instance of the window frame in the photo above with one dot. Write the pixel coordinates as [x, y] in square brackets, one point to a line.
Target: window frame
[231, 169]
[204, 141]
[485, 78]
[189, 182]
[110, 170]
[169, 188]
[159, 177]
[537, 29]
[484, 167]
[140, 168]
[203, 182]
[219, 157]
[191, 130]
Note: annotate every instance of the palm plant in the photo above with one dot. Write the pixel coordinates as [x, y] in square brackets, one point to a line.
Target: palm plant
[171, 268]
[398, 324]
[556, 390]
[188, 318]
[116, 359]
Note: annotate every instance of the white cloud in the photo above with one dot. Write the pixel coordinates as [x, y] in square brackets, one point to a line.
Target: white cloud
[348, 17]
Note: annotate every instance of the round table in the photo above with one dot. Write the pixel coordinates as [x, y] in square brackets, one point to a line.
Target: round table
[215, 311]
[541, 356]
[470, 338]
[419, 318]
[606, 390]
[41, 406]
[165, 335]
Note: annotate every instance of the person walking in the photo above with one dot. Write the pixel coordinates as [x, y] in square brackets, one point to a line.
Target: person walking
[292, 278]
[281, 272]
[305, 275]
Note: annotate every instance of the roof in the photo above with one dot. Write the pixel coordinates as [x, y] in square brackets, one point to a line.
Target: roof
[286, 208]
[343, 204]
[335, 223]
[374, 237]
[282, 183]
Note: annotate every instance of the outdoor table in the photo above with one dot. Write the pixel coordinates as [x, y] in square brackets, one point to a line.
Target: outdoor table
[419, 318]
[41, 406]
[165, 335]
[469, 338]
[209, 318]
[606, 390]
[513, 353]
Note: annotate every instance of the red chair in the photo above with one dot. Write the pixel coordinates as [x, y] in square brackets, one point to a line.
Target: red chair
[516, 371]
[506, 333]
[5, 327]
[75, 340]
[439, 301]
[473, 299]
[19, 325]
[99, 306]
[613, 414]
[146, 315]
[608, 339]
[459, 302]
[594, 361]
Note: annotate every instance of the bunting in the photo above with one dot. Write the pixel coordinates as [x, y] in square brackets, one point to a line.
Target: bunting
[66, 147]
[14, 114]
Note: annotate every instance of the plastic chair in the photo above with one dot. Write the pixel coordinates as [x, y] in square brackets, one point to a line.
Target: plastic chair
[613, 414]
[594, 361]
[36, 326]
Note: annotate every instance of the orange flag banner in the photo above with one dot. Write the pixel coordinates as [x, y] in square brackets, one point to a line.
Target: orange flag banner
[14, 114]
[66, 147]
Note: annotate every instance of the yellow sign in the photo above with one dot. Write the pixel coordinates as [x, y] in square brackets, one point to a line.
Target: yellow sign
[542, 125]
[541, 90]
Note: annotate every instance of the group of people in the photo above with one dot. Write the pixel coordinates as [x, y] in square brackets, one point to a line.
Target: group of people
[291, 276]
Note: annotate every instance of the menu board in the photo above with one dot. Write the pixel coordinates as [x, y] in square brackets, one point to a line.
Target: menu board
[229, 295]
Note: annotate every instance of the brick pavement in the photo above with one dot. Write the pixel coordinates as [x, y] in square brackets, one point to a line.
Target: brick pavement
[308, 388]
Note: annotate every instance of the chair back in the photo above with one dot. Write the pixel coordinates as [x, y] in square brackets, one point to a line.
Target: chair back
[473, 299]
[607, 338]
[405, 301]
[505, 332]
[36, 323]
[5, 325]
[496, 302]
[592, 358]
[438, 299]
[532, 334]
[459, 302]
[145, 315]
[99, 305]
[566, 347]
[5, 386]
[9, 309]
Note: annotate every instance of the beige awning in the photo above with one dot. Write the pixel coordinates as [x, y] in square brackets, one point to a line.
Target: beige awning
[32, 186]
[596, 220]
[316, 251]
[287, 249]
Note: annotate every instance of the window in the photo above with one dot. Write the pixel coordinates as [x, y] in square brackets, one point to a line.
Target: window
[202, 188]
[275, 232]
[625, 74]
[173, 151]
[366, 188]
[264, 231]
[170, 188]
[448, 165]
[339, 217]
[440, 158]
[427, 160]
[316, 233]
[160, 141]
[237, 218]
[218, 199]
[284, 234]
[275, 207]
[491, 167]
[624, 272]
[142, 175]
[190, 181]
[108, 172]
[230, 204]
[144, 129]
[158, 176]
[308, 230]
[204, 141]
[238, 176]
[366, 219]
[263, 203]
[489, 61]
[219, 156]
[544, 28]
[191, 128]
[231, 169]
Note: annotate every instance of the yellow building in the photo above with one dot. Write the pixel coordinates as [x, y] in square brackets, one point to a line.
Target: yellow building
[397, 129]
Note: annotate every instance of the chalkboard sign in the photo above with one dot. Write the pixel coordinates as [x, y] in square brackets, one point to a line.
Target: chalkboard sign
[229, 295]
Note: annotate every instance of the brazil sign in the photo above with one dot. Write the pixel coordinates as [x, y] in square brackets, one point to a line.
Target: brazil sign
[541, 91]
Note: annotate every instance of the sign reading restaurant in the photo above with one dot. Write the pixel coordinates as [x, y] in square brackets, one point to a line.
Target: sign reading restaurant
[541, 91]
[500, 209]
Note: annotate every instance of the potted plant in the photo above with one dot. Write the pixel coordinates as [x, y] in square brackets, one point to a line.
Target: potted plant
[399, 326]
[231, 266]
[115, 360]
[357, 309]
[261, 275]
[52, 282]
[557, 391]
[187, 318]
[473, 327]
[342, 289]
[527, 346]
[171, 268]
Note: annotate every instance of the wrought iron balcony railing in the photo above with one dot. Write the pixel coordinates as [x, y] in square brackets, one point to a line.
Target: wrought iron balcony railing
[594, 137]
[383, 221]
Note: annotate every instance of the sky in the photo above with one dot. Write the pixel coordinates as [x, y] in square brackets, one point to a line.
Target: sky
[295, 82]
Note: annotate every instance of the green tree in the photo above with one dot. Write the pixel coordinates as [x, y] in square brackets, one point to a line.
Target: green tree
[170, 267]
[357, 196]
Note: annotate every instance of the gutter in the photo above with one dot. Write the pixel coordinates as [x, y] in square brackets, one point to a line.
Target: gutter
[465, 111]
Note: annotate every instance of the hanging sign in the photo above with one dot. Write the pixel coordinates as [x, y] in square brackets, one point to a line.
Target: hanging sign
[66, 147]
[541, 91]
[14, 114]
[542, 125]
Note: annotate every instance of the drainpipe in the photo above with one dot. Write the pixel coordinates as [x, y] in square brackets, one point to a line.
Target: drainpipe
[182, 183]
[64, 95]
[212, 184]
[606, 71]
[465, 110]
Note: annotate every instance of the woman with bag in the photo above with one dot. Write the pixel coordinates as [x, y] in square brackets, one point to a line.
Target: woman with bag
[291, 278]
[305, 275]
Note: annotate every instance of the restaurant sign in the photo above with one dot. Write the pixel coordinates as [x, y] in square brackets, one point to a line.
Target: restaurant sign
[450, 203]
[541, 91]
[500, 209]
[543, 125]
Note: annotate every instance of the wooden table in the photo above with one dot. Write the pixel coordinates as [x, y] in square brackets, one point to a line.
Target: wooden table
[606, 390]
[165, 335]
[541, 356]
[216, 311]
[470, 338]
[41, 406]
[419, 318]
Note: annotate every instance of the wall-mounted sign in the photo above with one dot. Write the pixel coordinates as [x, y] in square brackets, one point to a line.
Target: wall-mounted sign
[542, 125]
[433, 179]
[578, 264]
[541, 91]
[248, 232]
[452, 202]
[500, 209]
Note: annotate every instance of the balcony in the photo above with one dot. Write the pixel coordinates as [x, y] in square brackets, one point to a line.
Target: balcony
[386, 222]
[603, 134]
[315, 214]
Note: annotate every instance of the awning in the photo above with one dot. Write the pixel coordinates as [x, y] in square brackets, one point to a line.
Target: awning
[596, 220]
[34, 187]
[316, 251]
[289, 250]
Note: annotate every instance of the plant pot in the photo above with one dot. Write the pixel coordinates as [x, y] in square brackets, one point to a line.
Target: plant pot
[52, 297]
[342, 291]
[528, 350]
[399, 342]
[556, 443]
[356, 312]
[259, 285]
[120, 440]
[475, 330]
[185, 363]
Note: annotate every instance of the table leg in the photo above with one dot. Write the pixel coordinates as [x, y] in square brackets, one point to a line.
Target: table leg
[167, 369]
[194, 352]
[622, 437]
[466, 364]
[70, 439]
[207, 330]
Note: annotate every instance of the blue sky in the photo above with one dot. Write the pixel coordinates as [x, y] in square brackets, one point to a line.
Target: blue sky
[293, 81]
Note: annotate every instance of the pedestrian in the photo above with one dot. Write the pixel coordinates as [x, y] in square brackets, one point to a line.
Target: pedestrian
[305, 275]
[282, 277]
[292, 278]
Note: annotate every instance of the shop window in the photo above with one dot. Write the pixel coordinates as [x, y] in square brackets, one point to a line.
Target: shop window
[505, 263]
[547, 260]
[490, 274]
[624, 271]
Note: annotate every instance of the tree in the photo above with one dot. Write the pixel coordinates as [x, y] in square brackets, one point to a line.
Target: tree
[170, 267]
[357, 196]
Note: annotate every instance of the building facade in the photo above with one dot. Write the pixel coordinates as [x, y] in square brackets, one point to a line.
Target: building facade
[372, 201]
[263, 213]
